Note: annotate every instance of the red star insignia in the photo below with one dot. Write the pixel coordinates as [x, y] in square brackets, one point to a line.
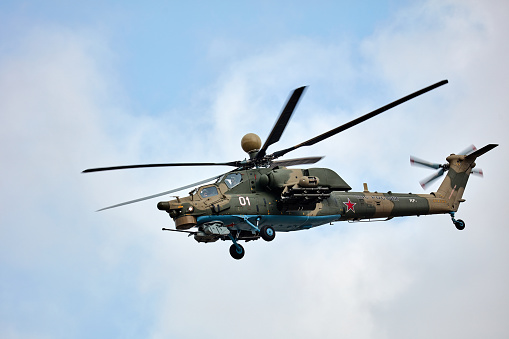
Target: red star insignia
[349, 205]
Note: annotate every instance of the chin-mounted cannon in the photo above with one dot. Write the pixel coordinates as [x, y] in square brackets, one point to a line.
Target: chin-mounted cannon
[179, 212]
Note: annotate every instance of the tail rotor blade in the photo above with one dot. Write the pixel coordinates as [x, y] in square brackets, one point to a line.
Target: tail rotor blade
[478, 172]
[468, 150]
[424, 163]
[424, 183]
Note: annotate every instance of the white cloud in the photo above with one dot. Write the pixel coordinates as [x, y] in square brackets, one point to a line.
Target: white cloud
[116, 273]
[356, 280]
[54, 103]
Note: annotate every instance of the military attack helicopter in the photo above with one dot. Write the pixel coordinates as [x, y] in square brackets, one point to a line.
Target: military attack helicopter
[262, 196]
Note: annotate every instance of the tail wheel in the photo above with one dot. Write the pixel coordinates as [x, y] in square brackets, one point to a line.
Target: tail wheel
[460, 224]
[237, 251]
[267, 233]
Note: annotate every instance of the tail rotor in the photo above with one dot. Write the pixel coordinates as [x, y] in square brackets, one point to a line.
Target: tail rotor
[442, 168]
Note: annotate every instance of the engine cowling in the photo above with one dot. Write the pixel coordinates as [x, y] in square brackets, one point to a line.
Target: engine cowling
[313, 177]
[308, 182]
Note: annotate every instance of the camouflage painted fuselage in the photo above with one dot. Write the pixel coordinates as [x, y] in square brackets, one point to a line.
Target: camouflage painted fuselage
[295, 199]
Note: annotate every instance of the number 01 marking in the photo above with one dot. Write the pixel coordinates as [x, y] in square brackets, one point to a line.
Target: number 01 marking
[243, 201]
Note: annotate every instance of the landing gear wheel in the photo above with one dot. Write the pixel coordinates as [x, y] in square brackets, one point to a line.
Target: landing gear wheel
[460, 224]
[237, 251]
[267, 233]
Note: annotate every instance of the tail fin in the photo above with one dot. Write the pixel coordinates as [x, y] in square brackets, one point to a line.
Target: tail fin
[460, 167]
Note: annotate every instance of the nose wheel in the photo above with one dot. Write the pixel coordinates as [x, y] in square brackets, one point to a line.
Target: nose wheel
[460, 224]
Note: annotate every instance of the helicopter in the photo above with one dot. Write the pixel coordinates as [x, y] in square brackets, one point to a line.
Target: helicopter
[262, 196]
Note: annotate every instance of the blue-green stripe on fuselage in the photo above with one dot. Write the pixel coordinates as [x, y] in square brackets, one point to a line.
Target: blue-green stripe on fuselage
[341, 206]
[280, 223]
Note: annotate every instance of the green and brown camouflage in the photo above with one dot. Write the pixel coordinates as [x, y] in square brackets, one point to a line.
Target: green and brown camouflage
[267, 194]
[262, 196]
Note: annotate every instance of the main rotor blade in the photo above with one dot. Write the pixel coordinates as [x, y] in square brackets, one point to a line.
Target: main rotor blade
[359, 120]
[99, 169]
[282, 121]
[296, 161]
[163, 193]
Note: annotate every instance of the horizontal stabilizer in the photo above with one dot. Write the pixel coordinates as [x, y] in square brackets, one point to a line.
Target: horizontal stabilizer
[481, 151]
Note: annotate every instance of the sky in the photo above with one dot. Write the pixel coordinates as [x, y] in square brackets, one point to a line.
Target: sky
[104, 83]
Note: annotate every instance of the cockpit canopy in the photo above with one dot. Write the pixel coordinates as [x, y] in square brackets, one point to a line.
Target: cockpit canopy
[232, 179]
[208, 192]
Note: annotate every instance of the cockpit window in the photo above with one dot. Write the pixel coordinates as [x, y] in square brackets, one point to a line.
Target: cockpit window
[233, 179]
[208, 192]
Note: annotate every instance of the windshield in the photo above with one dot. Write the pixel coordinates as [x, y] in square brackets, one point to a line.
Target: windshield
[233, 179]
[208, 192]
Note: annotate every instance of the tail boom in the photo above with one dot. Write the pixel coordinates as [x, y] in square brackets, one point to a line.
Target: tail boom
[372, 205]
